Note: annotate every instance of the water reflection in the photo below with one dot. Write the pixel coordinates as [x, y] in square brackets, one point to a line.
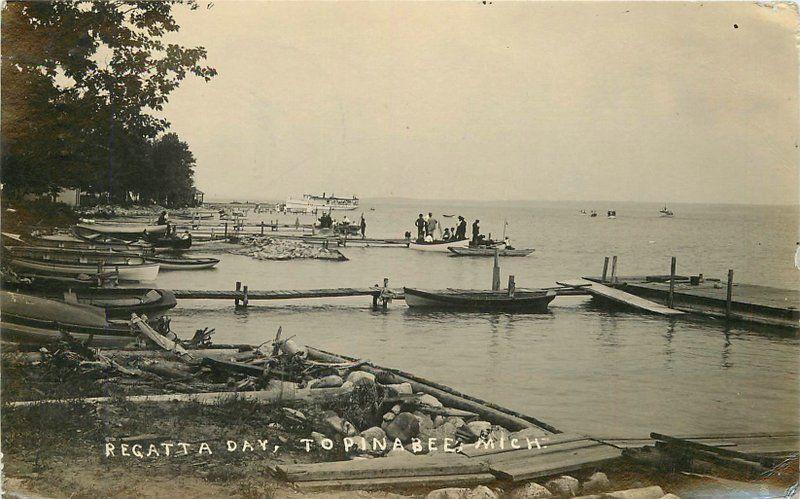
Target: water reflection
[669, 350]
[726, 348]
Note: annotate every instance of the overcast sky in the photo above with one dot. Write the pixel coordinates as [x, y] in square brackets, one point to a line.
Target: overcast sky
[677, 102]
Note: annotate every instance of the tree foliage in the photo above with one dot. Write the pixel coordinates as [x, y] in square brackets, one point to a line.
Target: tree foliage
[81, 79]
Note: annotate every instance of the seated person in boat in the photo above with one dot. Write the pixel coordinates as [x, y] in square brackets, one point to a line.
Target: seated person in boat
[429, 238]
[163, 219]
[446, 235]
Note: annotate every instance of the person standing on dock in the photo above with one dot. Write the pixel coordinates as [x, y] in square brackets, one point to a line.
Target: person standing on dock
[363, 227]
[421, 224]
[797, 256]
[475, 231]
[461, 230]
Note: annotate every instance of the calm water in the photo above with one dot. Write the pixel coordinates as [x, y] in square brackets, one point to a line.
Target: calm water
[579, 367]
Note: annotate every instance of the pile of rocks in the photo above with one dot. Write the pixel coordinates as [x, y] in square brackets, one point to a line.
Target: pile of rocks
[597, 486]
[268, 248]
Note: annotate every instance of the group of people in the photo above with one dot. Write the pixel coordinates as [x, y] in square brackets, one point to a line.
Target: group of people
[327, 222]
[429, 229]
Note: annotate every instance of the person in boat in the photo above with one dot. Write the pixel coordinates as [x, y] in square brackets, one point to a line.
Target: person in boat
[163, 219]
[363, 227]
[346, 220]
[421, 224]
[461, 231]
[476, 230]
[433, 224]
[446, 235]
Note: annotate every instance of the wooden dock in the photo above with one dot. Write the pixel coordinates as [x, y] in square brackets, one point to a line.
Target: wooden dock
[280, 294]
[618, 296]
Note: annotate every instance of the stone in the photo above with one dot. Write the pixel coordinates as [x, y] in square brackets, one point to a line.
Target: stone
[477, 427]
[482, 492]
[563, 486]
[389, 416]
[596, 483]
[398, 389]
[396, 452]
[425, 421]
[404, 426]
[332, 381]
[448, 493]
[653, 492]
[376, 438]
[356, 376]
[456, 421]
[430, 400]
[439, 421]
[671, 496]
[530, 490]
[397, 408]
[339, 426]
[356, 445]
[447, 430]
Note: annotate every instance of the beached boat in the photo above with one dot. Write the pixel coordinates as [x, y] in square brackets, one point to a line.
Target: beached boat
[35, 320]
[488, 251]
[118, 303]
[530, 301]
[72, 242]
[438, 246]
[25, 280]
[158, 243]
[120, 230]
[167, 263]
[72, 262]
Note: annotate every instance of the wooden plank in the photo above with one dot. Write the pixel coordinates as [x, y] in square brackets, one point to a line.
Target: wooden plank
[554, 452]
[472, 450]
[620, 296]
[397, 482]
[546, 465]
[384, 467]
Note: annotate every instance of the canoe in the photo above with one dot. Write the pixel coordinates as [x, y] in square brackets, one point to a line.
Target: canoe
[438, 246]
[527, 301]
[72, 262]
[167, 263]
[121, 230]
[38, 281]
[489, 251]
[119, 303]
[36, 320]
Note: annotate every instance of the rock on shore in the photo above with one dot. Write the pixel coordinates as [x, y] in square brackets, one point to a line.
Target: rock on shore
[268, 248]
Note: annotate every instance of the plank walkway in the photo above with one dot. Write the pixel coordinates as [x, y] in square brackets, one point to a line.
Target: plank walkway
[280, 294]
[618, 296]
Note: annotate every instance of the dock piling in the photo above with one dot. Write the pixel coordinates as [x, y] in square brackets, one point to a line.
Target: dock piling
[671, 298]
[511, 286]
[613, 270]
[496, 271]
[244, 299]
[238, 289]
[384, 299]
[226, 230]
[605, 270]
[262, 227]
[729, 296]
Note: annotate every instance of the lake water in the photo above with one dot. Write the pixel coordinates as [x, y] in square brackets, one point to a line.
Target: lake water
[580, 367]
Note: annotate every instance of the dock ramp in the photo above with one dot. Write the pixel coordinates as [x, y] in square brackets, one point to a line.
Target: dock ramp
[619, 296]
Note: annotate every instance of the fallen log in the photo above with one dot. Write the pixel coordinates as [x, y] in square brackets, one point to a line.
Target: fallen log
[158, 339]
[277, 392]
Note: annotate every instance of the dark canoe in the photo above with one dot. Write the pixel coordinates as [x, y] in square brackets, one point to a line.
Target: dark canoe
[168, 263]
[527, 301]
[119, 303]
[473, 251]
[35, 320]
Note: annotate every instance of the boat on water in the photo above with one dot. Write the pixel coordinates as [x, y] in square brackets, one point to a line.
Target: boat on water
[666, 213]
[35, 320]
[310, 203]
[170, 263]
[438, 246]
[523, 301]
[118, 303]
[612, 214]
[489, 251]
[74, 262]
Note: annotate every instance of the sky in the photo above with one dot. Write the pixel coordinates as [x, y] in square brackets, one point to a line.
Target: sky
[666, 101]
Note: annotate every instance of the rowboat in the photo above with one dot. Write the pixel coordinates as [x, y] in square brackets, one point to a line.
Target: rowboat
[72, 242]
[72, 262]
[438, 246]
[528, 301]
[157, 242]
[36, 320]
[167, 263]
[118, 303]
[485, 251]
[17, 280]
[120, 230]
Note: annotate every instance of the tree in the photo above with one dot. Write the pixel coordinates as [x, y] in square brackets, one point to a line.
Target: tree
[80, 79]
[168, 172]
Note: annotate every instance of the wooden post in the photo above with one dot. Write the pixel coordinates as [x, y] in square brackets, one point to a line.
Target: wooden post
[375, 298]
[605, 270]
[613, 270]
[671, 298]
[245, 300]
[238, 288]
[385, 301]
[511, 286]
[226, 229]
[262, 227]
[496, 271]
[729, 296]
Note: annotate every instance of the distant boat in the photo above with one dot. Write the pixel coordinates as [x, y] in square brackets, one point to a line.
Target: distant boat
[612, 214]
[530, 301]
[471, 251]
[666, 213]
[311, 203]
[448, 216]
[593, 214]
